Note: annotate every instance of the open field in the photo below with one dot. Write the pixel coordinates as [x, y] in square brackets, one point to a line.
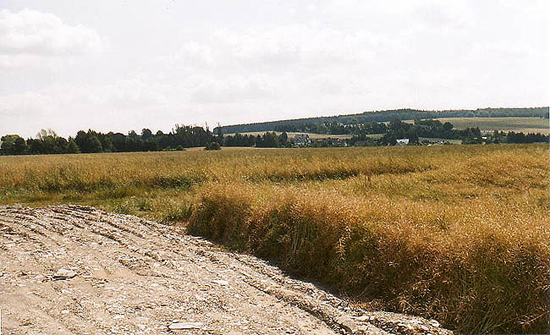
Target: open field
[517, 124]
[292, 134]
[443, 140]
[456, 233]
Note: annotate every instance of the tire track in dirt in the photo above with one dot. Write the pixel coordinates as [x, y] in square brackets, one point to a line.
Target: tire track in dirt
[135, 276]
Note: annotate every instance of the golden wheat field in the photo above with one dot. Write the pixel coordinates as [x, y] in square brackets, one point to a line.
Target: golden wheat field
[457, 233]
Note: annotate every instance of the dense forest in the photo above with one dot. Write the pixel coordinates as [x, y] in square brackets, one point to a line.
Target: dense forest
[320, 124]
[181, 137]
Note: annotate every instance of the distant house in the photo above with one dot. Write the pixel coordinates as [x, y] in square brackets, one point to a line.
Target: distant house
[336, 142]
[402, 141]
[301, 140]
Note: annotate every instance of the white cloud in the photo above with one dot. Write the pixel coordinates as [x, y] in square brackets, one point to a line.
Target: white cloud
[234, 89]
[18, 61]
[282, 48]
[319, 57]
[28, 36]
[121, 106]
[263, 65]
[301, 45]
[191, 54]
[34, 32]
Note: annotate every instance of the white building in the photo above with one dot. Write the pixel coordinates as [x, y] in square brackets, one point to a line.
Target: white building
[301, 140]
[402, 141]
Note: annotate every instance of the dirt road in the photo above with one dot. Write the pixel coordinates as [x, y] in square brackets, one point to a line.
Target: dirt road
[77, 270]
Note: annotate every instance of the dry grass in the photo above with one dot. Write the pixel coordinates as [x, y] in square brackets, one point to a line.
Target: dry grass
[459, 233]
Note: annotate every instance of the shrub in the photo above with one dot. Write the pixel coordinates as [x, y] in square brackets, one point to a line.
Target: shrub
[213, 146]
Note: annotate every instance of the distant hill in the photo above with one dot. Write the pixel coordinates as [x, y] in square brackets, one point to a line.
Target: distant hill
[388, 115]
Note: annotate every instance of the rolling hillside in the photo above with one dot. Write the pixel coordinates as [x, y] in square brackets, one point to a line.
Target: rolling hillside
[388, 115]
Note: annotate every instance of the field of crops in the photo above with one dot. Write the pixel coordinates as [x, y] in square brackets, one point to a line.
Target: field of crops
[457, 233]
[517, 124]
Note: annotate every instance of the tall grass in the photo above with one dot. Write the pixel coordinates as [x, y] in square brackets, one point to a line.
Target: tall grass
[477, 269]
[458, 233]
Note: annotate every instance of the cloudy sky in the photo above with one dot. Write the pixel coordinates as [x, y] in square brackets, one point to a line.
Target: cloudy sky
[122, 65]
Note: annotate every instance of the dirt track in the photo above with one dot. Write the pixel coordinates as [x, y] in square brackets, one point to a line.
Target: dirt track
[126, 275]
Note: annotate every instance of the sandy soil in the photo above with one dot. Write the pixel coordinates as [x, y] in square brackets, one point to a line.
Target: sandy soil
[78, 270]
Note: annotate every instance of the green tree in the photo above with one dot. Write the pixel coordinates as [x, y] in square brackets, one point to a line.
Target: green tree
[88, 142]
[213, 146]
[283, 139]
[146, 134]
[72, 147]
[13, 145]
[19, 145]
[268, 140]
[94, 145]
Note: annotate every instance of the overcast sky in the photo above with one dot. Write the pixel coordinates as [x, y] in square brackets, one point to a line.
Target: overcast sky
[122, 65]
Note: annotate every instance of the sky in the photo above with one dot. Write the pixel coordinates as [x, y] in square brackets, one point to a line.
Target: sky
[113, 65]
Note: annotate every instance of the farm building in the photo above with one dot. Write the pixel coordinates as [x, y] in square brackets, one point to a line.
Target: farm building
[301, 140]
[402, 141]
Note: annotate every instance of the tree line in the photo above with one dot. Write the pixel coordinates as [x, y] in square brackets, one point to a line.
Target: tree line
[318, 123]
[48, 142]
[335, 128]
[181, 137]
[398, 129]
[392, 131]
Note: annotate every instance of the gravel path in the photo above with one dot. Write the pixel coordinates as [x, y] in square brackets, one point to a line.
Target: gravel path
[78, 270]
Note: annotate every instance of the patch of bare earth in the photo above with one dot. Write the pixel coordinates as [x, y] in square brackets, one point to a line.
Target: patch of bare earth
[78, 270]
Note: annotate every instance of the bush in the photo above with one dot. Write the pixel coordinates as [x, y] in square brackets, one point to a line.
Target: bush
[212, 146]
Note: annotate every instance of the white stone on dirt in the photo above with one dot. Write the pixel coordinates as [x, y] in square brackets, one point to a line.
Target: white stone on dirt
[221, 282]
[63, 274]
[362, 318]
[434, 323]
[185, 325]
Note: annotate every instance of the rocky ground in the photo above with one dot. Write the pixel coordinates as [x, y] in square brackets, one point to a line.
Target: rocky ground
[78, 270]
